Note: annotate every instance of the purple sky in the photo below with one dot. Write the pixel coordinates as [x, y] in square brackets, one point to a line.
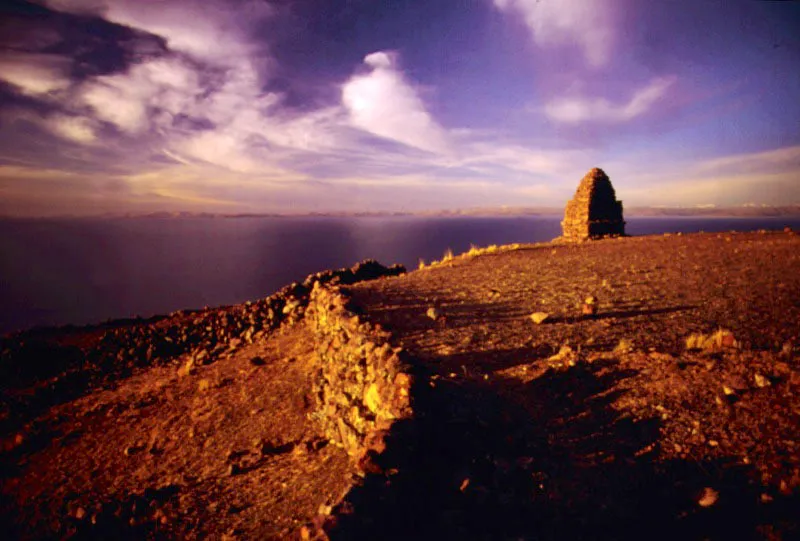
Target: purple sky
[355, 105]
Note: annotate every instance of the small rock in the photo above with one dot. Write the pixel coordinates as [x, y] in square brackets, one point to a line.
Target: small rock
[539, 317]
[258, 361]
[624, 346]
[432, 313]
[80, 513]
[203, 385]
[133, 449]
[728, 391]
[464, 484]
[761, 381]
[708, 498]
[565, 355]
[291, 305]
[188, 368]
[589, 306]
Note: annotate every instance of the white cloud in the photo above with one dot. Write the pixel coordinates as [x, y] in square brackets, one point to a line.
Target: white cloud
[383, 103]
[76, 129]
[35, 74]
[589, 24]
[572, 110]
[115, 104]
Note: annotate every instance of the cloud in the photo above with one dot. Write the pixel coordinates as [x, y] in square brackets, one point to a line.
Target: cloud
[152, 92]
[207, 29]
[35, 74]
[588, 24]
[383, 103]
[769, 177]
[73, 128]
[779, 159]
[572, 110]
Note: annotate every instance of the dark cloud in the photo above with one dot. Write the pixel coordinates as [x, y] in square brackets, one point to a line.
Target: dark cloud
[93, 45]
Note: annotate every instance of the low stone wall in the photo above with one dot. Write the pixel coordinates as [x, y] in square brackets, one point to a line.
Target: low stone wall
[362, 385]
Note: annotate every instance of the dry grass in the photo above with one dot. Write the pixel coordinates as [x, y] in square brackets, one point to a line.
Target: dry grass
[473, 251]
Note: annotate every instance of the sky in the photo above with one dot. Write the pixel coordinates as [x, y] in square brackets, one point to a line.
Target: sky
[239, 106]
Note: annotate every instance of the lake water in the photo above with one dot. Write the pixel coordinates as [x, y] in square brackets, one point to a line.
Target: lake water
[55, 272]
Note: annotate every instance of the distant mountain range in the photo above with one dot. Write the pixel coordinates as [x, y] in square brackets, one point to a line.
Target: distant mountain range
[743, 211]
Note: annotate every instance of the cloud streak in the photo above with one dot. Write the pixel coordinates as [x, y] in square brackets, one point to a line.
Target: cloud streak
[573, 110]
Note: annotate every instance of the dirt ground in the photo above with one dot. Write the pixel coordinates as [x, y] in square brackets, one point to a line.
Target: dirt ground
[626, 434]
[223, 450]
[594, 426]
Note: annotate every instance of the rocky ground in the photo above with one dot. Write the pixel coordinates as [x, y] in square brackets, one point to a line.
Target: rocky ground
[666, 406]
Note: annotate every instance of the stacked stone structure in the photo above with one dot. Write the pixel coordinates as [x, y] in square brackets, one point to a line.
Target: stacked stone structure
[594, 212]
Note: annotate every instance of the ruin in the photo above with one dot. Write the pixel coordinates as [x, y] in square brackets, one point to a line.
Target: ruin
[594, 211]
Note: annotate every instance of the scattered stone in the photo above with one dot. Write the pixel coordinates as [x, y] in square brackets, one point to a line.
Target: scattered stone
[718, 341]
[565, 356]
[624, 346]
[133, 449]
[432, 313]
[590, 306]
[761, 381]
[594, 211]
[539, 317]
[188, 368]
[708, 497]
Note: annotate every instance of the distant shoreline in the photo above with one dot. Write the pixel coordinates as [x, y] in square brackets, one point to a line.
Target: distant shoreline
[789, 211]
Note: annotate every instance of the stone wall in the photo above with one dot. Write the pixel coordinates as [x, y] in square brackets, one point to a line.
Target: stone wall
[594, 211]
[362, 385]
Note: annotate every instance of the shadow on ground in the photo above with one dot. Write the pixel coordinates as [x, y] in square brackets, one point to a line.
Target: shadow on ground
[548, 459]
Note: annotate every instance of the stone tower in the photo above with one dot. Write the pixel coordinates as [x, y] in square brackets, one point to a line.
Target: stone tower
[594, 212]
